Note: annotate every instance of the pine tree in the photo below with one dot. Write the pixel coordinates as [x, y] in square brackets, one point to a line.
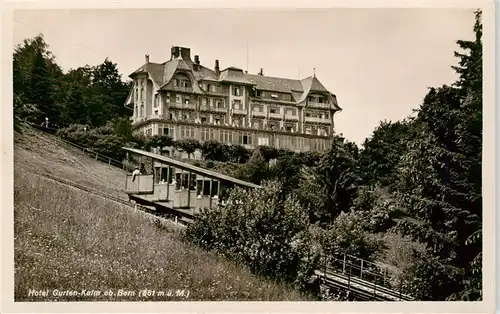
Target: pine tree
[440, 182]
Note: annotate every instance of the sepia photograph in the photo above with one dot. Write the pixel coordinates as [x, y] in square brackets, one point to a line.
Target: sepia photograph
[248, 154]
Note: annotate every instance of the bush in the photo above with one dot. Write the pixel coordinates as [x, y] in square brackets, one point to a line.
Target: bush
[258, 228]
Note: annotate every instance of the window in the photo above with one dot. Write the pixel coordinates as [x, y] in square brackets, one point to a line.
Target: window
[204, 134]
[308, 114]
[156, 112]
[186, 101]
[237, 104]
[170, 117]
[187, 131]
[136, 111]
[176, 82]
[178, 99]
[219, 103]
[274, 110]
[142, 111]
[203, 101]
[236, 91]
[213, 88]
[289, 129]
[257, 93]
[157, 101]
[245, 139]
[203, 119]
[291, 112]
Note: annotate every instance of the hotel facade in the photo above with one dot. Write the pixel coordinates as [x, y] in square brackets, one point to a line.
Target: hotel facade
[183, 99]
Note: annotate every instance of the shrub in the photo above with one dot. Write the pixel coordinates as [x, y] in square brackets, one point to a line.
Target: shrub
[260, 229]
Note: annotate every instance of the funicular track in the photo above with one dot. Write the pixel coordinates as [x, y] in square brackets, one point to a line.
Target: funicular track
[330, 277]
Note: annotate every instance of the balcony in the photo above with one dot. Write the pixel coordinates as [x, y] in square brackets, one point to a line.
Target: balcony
[182, 105]
[259, 114]
[291, 117]
[313, 104]
[277, 116]
[150, 117]
[318, 120]
[240, 111]
[213, 109]
[182, 89]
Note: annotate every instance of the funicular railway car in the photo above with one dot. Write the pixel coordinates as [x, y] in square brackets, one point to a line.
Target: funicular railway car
[176, 187]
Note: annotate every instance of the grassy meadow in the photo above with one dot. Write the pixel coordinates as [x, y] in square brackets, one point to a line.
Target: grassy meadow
[68, 239]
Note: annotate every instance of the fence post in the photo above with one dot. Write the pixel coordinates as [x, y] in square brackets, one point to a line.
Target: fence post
[361, 274]
[95, 156]
[109, 162]
[343, 267]
[324, 273]
[400, 288]
[349, 280]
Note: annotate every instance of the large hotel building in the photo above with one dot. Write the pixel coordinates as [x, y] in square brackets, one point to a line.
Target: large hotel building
[183, 99]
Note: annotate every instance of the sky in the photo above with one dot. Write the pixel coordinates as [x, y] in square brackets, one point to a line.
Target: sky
[378, 62]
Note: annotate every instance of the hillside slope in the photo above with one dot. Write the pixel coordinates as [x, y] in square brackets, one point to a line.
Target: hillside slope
[69, 239]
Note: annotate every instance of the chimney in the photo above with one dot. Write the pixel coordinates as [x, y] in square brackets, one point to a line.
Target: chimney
[185, 53]
[147, 58]
[217, 70]
[197, 59]
[261, 71]
[174, 52]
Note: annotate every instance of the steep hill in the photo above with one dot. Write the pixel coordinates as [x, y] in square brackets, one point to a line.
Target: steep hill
[70, 236]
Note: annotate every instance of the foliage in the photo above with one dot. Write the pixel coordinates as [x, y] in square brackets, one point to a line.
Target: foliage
[347, 234]
[261, 230]
[188, 146]
[382, 151]
[86, 95]
[256, 169]
[439, 182]
[334, 181]
[214, 150]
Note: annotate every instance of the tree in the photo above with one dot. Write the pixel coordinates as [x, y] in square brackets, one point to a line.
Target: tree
[382, 151]
[259, 229]
[214, 150]
[336, 180]
[188, 146]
